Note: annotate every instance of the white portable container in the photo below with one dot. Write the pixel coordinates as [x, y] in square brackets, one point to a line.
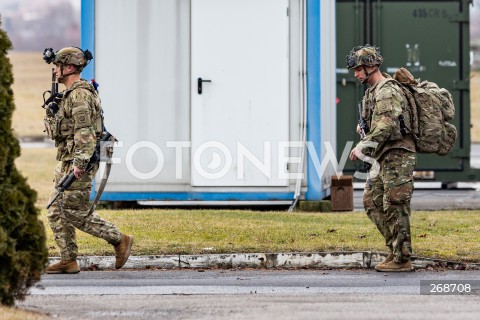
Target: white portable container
[215, 101]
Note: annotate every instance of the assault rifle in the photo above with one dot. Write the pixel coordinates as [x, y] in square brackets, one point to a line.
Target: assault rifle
[361, 122]
[66, 182]
[51, 104]
[363, 131]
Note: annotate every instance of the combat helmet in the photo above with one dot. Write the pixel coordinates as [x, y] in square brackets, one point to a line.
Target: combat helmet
[366, 55]
[69, 55]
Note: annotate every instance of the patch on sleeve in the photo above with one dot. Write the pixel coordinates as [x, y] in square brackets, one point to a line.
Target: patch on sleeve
[82, 119]
[387, 101]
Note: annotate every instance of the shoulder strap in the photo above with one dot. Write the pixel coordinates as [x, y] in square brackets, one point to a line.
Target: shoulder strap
[388, 80]
[82, 85]
[405, 88]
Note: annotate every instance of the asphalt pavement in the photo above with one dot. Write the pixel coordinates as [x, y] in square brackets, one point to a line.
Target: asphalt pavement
[258, 294]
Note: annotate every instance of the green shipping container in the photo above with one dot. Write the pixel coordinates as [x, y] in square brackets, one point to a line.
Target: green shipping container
[431, 39]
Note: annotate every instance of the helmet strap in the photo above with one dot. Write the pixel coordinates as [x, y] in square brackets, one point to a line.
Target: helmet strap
[368, 75]
[64, 75]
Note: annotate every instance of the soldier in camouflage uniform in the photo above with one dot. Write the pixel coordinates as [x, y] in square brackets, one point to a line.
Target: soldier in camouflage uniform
[75, 124]
[389, 188]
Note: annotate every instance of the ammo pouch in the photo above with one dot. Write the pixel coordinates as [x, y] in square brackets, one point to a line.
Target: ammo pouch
[50, 127]
[58, 126]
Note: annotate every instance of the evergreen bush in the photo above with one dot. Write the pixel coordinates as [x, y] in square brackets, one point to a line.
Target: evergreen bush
[23, 252]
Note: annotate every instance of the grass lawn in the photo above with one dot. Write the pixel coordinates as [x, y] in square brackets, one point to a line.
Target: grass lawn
[442, 234]
[451, 235]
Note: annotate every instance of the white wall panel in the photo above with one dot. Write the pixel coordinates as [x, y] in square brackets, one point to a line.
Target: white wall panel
[142, 65]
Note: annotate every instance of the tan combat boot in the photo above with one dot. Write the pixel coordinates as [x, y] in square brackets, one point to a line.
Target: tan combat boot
[387, 260]
[122, 250]
[63, 266]
[392, 266]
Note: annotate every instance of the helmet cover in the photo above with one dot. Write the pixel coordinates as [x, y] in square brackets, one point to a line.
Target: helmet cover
[366, 55]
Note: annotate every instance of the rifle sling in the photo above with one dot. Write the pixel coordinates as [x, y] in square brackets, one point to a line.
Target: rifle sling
[103, 183]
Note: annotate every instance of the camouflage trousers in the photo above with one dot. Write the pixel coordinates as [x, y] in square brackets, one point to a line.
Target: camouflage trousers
[70, 211]
[387, 197]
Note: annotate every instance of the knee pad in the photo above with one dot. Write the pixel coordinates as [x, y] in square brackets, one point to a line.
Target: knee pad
[401, 194]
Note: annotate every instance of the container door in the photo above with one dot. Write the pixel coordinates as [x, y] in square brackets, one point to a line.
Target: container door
[239, 92]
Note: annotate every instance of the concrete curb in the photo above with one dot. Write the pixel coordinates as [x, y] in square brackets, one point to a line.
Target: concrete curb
[313, 260]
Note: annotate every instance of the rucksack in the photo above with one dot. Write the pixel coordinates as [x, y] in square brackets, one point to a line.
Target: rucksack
[431, 107]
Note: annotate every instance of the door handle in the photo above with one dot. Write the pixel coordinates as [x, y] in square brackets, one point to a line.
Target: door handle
[200, 86]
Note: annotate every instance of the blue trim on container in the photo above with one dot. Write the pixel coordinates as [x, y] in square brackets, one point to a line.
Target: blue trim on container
[87, 40]
[314, 191]
[196, 196]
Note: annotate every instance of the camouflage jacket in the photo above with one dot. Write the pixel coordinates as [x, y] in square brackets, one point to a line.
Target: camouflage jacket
[77, 124]
[383, 103]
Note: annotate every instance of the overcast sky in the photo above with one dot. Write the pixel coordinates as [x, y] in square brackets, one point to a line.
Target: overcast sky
[474, 11]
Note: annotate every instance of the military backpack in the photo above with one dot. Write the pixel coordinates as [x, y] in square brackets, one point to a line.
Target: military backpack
[431, 109]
